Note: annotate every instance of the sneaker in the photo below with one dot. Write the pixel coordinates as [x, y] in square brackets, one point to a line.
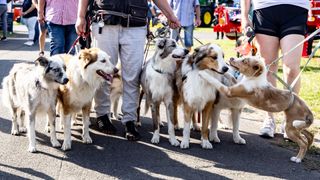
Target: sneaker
[131, 132]
[3, 39]
[104, 124]
[29, 43]
[268, 128]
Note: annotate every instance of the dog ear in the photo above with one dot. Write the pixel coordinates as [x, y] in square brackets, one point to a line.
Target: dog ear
[42, 61]
[85, 56]
[161, 43]
[258, 69]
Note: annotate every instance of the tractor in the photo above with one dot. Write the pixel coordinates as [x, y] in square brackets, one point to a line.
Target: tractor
[207, 9]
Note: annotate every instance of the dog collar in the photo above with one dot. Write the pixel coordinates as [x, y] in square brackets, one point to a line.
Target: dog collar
[38, 84]
[159, 71]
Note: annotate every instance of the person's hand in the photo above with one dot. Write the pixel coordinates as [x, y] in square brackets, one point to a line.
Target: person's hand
[198, 22]
[173, 22]
[41, 19]
[81, 26]
[245, 23]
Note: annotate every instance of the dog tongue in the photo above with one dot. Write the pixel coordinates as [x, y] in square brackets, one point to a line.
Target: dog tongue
[105, 76]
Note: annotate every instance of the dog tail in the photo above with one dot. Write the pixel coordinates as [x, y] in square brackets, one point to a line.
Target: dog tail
[6, 100]
[302, 124]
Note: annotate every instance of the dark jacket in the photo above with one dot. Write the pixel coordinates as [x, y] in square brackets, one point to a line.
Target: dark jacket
[25, 6]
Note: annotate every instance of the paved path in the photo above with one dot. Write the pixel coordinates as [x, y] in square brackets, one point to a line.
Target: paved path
[113, 157]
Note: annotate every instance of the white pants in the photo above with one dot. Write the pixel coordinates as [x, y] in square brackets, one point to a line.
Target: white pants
[128, 45]
[30, 23]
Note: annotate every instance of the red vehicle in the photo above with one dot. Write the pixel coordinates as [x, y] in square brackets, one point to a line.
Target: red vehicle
[313, 23]
[228, 21]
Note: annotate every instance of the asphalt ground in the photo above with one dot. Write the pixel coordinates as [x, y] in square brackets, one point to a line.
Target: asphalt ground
[113, 157]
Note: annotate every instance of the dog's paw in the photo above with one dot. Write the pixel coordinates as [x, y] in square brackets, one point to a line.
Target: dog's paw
[196, 127]
[87, 139]
[205, 144]
[239, 140]
[15, 132]
[55, 143]
[174, 142]
[66, 146]
[32, 149]
[47, 129]
[138, 124]
[295, 159]
[214, 138]
[155, 138]
[184, 144]
[22, 129]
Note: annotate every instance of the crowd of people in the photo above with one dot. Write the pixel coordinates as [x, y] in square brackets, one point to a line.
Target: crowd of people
[275, 30]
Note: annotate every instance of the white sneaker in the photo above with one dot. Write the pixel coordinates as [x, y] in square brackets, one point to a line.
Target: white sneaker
[268, 128]
[29, 43]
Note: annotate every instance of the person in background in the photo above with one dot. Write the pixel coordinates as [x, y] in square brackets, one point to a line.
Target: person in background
[184, 10]
[278, 25]
[4, 16]
[42, 29]
[29, 18]
[61, 17]
[125, 41]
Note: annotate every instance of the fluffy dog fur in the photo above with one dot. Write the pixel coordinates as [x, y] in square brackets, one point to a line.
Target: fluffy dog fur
[86, 72]
[197, 94]
[158, 84]
[116, 88]
[255, 89]
[31, 89]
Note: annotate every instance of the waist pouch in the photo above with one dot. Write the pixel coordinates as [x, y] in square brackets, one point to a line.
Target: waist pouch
[128, 13]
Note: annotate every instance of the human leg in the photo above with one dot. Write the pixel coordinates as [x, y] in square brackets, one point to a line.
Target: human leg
[268, 47]
[3, 14]
[107, 41]
[291, 62]
[132, 42]
[42, 37]
[188, 36]
[57, 41]
[70, 36]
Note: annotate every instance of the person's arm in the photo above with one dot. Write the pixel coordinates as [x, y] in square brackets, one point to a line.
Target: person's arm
[35, 3]
[81, 20]
[41, 4]
[167, 11]
[32, 7]
[245, 7]
[198, 15]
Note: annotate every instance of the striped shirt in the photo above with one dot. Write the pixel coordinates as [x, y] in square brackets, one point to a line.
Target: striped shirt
[61, 12]
[184, 10]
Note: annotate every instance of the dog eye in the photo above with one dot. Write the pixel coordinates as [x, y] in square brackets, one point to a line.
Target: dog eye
[215, 57]
[56, 69]
[103, 61]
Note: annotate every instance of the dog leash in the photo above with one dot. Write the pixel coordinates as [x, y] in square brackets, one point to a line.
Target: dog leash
[289, 87]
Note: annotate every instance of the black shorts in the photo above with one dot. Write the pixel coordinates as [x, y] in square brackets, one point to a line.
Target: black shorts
[280, 20]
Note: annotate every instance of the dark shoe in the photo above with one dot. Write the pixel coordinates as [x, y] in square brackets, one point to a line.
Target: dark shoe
[41, 53]
[131, 132]
[104, 124]
[3, 39]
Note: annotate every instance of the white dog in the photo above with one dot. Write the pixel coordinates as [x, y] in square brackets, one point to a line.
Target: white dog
[30, 89]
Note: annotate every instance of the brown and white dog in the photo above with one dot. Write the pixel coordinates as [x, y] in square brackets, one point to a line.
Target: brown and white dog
[86, 71]
[196, 93]
[158, 84]
[256, 91]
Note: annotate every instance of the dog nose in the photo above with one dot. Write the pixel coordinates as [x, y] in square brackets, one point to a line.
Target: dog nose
[225, 69]
[65, 80]
[186, 51]
[231, 59]
[115, 70]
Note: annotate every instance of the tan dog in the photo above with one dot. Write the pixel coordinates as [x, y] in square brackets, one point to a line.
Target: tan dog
[255, 89]
[86, 72]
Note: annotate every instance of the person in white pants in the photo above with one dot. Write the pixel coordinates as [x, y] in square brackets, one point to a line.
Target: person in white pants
[29, 18]
[127, 43]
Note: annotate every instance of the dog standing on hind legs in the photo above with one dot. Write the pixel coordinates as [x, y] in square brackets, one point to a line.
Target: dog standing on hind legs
[31, 89]
[255, 89]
